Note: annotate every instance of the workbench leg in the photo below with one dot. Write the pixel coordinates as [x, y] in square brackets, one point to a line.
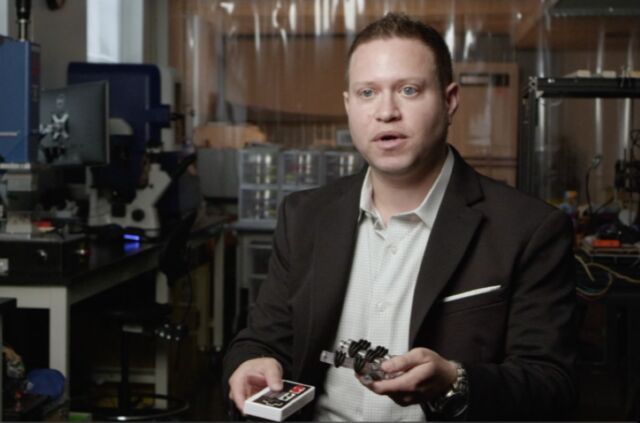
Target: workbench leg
[218, 294]
[59, 331]
[162, 351]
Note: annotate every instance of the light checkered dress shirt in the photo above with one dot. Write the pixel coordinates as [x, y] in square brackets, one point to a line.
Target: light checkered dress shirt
[378, 302]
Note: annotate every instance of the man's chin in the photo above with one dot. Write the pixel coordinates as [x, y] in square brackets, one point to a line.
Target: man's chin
[391, 171]
[401, 171]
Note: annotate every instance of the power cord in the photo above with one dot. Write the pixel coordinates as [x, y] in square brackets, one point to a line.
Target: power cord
[591, 294]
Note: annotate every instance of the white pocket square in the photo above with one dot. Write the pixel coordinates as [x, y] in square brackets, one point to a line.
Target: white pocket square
[471, 293]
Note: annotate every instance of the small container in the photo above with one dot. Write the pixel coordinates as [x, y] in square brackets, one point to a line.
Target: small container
[259, 166]
[342, 163]
[258, 204]
[301, 168]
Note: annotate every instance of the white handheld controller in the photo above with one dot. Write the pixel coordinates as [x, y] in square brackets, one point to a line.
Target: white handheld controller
[279, 405]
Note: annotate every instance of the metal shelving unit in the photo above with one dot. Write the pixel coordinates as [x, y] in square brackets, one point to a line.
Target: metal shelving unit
[532, 125]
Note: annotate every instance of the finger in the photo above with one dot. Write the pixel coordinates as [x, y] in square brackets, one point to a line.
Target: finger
[364, 380]
[246, 384]
[256, 380]
[405, 362]
[410, 381]
[273, 376]
[404, 399]
[237, 393]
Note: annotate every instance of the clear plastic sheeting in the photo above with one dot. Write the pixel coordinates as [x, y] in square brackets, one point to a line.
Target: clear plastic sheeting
[279, 65]
[579, 140]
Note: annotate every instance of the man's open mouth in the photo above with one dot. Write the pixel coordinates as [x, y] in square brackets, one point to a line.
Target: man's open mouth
[389, 136]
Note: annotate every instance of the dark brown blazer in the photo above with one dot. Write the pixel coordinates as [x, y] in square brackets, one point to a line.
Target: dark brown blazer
[517, 343]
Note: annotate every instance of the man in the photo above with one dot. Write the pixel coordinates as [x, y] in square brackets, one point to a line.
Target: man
[468, 282]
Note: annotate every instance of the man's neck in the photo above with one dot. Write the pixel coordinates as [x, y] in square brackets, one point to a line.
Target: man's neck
[398, 194]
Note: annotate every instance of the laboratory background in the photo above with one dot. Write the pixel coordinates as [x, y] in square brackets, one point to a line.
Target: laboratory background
[145, 146]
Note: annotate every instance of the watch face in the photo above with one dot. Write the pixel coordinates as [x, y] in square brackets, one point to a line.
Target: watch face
[454, 405]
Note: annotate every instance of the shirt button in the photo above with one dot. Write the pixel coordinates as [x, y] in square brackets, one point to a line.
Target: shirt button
[393, 249]
[380, 306]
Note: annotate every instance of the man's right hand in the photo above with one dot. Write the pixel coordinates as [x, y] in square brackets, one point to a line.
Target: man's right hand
[252, 376]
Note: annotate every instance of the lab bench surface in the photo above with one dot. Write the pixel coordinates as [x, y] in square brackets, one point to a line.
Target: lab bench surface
[108, 265]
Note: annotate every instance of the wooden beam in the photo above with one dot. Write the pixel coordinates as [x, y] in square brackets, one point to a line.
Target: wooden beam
[582, 33]
[309, 16]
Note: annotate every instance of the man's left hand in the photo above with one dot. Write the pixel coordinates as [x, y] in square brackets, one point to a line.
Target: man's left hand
[424, 375]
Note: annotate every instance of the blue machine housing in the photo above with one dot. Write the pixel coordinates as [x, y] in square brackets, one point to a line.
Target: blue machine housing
[19, 101]
[134, 96]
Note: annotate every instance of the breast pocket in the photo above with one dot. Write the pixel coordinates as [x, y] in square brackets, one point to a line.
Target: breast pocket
[470, 327]
[472, 299]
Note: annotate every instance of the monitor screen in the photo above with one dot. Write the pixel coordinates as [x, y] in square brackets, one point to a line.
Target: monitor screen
[74, 124]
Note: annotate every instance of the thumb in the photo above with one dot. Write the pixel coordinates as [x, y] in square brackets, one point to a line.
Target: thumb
[273, 376]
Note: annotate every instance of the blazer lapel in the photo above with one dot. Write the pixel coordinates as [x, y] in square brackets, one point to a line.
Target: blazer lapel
[335, 238]
[452, 232]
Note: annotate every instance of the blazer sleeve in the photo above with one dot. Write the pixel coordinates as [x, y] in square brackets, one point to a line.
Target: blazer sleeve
[536, 379]
[269, 330]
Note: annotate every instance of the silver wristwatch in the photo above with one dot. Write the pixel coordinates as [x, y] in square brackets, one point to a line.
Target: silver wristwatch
[455, 401]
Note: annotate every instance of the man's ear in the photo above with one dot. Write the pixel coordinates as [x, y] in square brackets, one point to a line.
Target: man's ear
[345, 98]
[451, 100]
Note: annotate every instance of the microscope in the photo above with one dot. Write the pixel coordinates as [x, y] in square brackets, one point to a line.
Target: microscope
[125, 192]
[29, 242]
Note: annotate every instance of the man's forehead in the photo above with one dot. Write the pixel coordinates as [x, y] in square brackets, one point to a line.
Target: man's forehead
[383, 53]
[380, 43]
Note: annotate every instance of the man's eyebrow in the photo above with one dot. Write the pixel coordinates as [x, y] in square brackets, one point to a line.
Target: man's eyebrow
[363, 82]
[416, 80]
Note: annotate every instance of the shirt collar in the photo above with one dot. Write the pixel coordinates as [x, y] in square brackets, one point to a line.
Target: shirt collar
[428, 208]
[366, 199]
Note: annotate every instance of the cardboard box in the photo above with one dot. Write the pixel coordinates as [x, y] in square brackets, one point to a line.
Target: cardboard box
[486, 123]
[224, 135]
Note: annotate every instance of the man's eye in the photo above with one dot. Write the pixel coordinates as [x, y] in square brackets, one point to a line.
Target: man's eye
[366, 93]
[409, 90]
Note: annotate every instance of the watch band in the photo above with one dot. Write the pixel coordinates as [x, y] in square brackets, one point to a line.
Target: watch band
[455, 401]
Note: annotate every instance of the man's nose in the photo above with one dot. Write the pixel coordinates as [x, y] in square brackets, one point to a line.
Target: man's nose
[387, 110]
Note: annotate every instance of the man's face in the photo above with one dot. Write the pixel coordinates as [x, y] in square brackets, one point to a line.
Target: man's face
[398, 115]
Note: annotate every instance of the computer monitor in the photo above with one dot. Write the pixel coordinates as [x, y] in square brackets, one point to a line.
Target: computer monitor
[74, 124]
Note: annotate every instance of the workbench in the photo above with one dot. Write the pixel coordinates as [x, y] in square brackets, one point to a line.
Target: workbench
[111, 264]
